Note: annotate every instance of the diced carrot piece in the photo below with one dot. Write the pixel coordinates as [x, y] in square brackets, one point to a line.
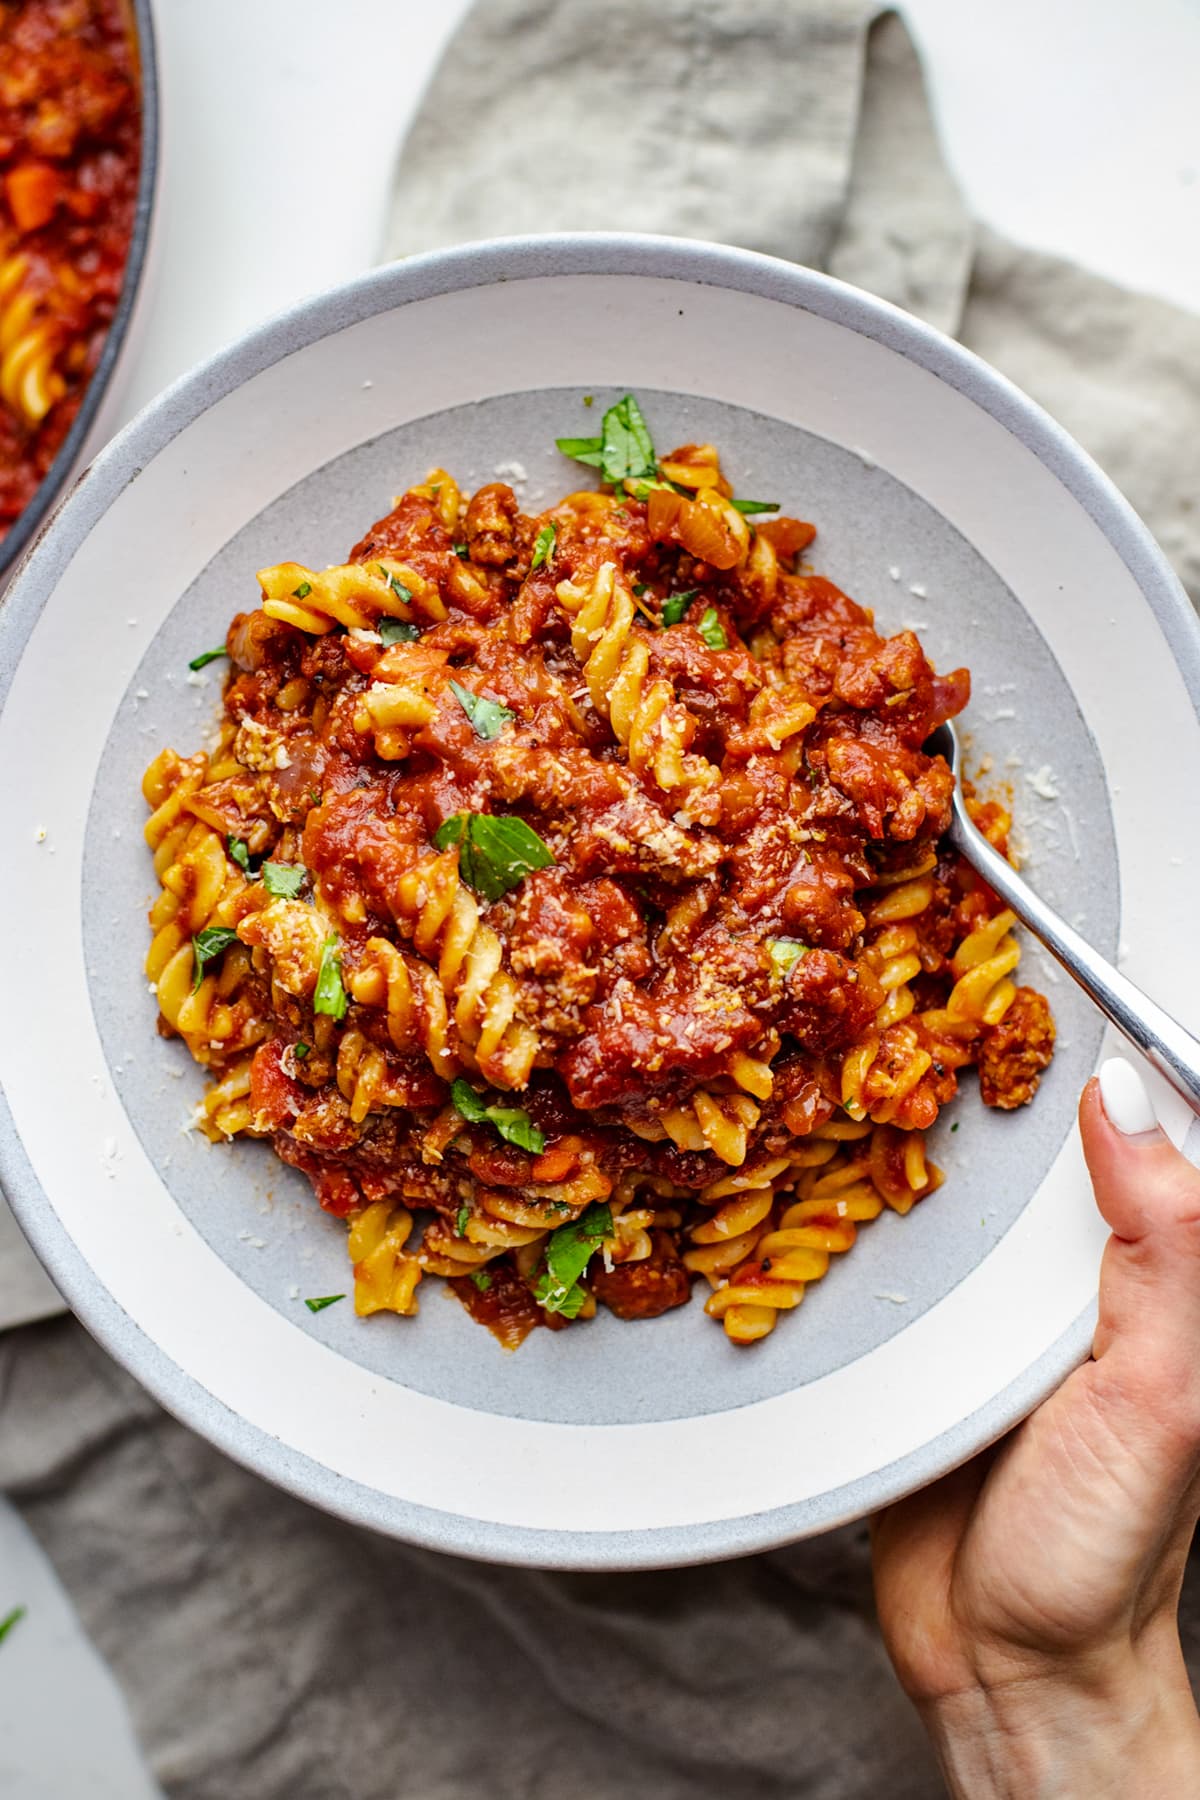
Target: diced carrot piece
[789, 536]
[32, 190]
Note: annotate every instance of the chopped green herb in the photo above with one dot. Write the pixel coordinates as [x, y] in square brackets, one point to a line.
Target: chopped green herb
[300, 1050]
[640, 588]
[494, 854]
[675, 605]
[568, 1305]
[488, 718]
[239, 852]
[628, 450]
[712, 630]
[755, 506]
[207, 656]
[460, 1221]
[955, 1125]
[330, 996]
[463, 550]
[11, 1620]
[624, 451]
[322, 1301]
[568, 1252]
[786, 953]
[512, 1122]
[589, 399]
[394, 582]
[284, 880]
[582, 450]
[207, 945]
[481, 1279]
[543, 546]
[398, 631]
[303, 591]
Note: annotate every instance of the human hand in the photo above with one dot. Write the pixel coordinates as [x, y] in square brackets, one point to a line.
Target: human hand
[1029, 1600]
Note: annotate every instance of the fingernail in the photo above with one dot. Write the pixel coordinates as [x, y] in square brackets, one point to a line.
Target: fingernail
[1124, 1098]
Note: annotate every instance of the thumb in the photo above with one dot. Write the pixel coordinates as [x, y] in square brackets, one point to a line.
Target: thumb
[1148, 1330]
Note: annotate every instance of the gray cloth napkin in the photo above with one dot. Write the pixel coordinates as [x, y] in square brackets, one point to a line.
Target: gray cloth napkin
[269, 1651]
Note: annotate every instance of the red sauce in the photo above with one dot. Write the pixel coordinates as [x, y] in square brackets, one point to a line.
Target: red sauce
[70, 128]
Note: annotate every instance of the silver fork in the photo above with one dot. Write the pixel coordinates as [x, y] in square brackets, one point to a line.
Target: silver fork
[1174, 1052]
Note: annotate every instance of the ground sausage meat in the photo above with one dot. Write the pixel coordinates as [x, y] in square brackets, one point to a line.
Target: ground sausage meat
[1014, 1053]
[643, 1290]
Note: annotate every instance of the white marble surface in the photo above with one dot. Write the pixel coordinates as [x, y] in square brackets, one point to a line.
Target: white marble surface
[1073, 128]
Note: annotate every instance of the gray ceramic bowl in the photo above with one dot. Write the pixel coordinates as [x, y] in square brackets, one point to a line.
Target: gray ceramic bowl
[945, 500]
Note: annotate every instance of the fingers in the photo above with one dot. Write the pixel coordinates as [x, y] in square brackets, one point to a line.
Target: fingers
[1147, 1341]
[1144, 1186]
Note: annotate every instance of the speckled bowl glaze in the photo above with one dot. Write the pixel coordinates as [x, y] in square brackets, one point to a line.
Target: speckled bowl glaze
[946, 501]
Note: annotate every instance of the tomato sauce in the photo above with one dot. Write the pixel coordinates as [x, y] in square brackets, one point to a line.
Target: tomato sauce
[70, 152]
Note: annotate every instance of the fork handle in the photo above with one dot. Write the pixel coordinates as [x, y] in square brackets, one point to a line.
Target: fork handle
[1162, 1040]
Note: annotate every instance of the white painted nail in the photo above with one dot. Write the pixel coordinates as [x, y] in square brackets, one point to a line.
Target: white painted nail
[1124, 1098]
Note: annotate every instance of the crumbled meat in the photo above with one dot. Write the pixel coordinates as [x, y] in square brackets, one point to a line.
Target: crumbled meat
[643, 1290]
[1014, 1054]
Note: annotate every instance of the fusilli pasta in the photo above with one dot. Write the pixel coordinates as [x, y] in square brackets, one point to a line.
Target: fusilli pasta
[566, 895]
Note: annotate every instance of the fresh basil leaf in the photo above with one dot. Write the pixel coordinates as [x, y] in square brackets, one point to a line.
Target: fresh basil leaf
[516, 1127]
[712, 630]
[568, 1305]
[481, 1279]
[494, 854]
[675, 605]
[329, 997]
[207, 945]
[239, 852]
[468, 1102]
[786, 953]
[627, 450]
[398, 631]
[403, 594]
[300, 1050]
[207, 656]
[11, 1620]
[303, 591]
[283, 880]
[543, 546]
[568, 1252]
[582, 450]
[512, 1122]
[322, 1301]
[488, 718]
[460, 1220]
[755, 506]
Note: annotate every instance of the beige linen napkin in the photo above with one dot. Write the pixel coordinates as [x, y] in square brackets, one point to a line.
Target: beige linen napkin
[268, 1651]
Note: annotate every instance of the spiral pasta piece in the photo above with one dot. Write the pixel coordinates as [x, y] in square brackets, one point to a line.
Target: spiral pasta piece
[31, 342]
[201, 888]
[356, 595]
[721, 1123]
[385, 1277]
[615, 657]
